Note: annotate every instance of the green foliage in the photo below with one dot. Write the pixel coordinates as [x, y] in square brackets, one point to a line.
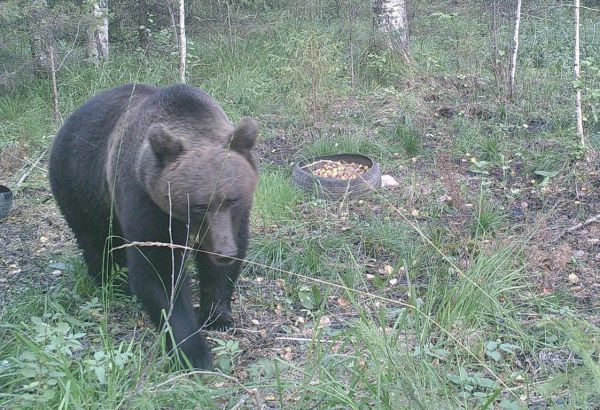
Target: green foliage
[275, 199]
[225, 353]
[489, 217]
[410, 140]
[473, 386]
[581, 382]
[310, 297]
[496, 350]
[310, 63]
[590, 86]
[351, 144]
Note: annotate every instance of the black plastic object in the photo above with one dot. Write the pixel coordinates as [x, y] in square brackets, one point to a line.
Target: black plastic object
[333, 188]
[6, 197]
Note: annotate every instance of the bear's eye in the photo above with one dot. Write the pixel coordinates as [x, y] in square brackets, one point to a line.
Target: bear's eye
[230, 201]
[200, 208]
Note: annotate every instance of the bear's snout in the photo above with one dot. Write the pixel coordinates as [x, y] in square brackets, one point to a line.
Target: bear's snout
[223, 260]
[224, 247]
[224, 253]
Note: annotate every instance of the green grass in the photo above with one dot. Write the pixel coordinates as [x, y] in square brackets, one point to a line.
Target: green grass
[488, 217]
[410, 140]
[275, 199]
[355, 307]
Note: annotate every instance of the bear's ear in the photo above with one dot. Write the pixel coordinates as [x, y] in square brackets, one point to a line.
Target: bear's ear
[165, 145]
[244, 136]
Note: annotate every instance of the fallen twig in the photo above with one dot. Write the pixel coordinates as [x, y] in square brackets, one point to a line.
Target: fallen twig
[27, 173]
[240, 403]
[321, 161]
[582, 224]
[250, 392]
[303, 339]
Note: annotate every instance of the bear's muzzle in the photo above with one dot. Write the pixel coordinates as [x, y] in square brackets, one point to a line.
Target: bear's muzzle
[223, 247]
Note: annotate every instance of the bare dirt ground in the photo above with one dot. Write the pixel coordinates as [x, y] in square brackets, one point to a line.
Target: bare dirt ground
[34, 236]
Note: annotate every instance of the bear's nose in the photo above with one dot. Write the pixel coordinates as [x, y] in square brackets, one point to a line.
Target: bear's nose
[224, 259]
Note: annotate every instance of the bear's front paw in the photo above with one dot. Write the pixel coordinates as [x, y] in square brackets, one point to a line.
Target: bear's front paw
[194, 351]
[219, 320]
[221, 325]
[202, 361]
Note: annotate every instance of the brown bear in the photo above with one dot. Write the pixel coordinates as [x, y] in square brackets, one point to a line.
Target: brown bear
[148, 164]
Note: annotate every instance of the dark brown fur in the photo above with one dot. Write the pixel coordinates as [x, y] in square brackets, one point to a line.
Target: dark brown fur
[133, 156]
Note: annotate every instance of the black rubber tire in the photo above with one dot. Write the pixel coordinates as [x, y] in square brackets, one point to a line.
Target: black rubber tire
[332, 188]
[6, 197]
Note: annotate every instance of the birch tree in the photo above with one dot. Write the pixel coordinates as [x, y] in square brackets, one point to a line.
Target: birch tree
[578, 112]
[514, 49]
[391, 19]
[182, 41]
[97, 49]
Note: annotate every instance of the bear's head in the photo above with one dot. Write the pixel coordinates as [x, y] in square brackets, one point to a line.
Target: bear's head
[207, 186]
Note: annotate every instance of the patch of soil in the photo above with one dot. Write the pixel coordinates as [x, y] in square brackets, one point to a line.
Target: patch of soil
[279, 150]
[35, 237]
[11, 161]
[568, 260]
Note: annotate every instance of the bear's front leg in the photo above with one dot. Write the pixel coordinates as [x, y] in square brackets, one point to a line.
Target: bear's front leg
[153, 279]
[216, 286]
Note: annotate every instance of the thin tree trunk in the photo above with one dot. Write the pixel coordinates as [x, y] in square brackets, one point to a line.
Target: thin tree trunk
[55, 102]
[98, 36]
[515, 49]
[352, 75]
[577, 78]
[173, 23]
[143, 25]
[352, 14]
[496, 60]
[182, 41]
[41, 39]
[391, 20]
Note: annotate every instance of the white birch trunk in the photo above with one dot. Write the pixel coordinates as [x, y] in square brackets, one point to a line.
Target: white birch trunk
[391, 20]
[98, 35]
[182, 41]
[515, 49]
[578, 110]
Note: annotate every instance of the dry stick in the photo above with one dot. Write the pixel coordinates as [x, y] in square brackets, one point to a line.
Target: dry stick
[583, 224]
[334, 285]
[351, 19]
[515, 49]
[26, 162]
[303, 339]
[240, 403]
[577, 77]
[320, 161]
[55, 105]
[251, 392]
[72, 47]
[27, 173]
[173, 280]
